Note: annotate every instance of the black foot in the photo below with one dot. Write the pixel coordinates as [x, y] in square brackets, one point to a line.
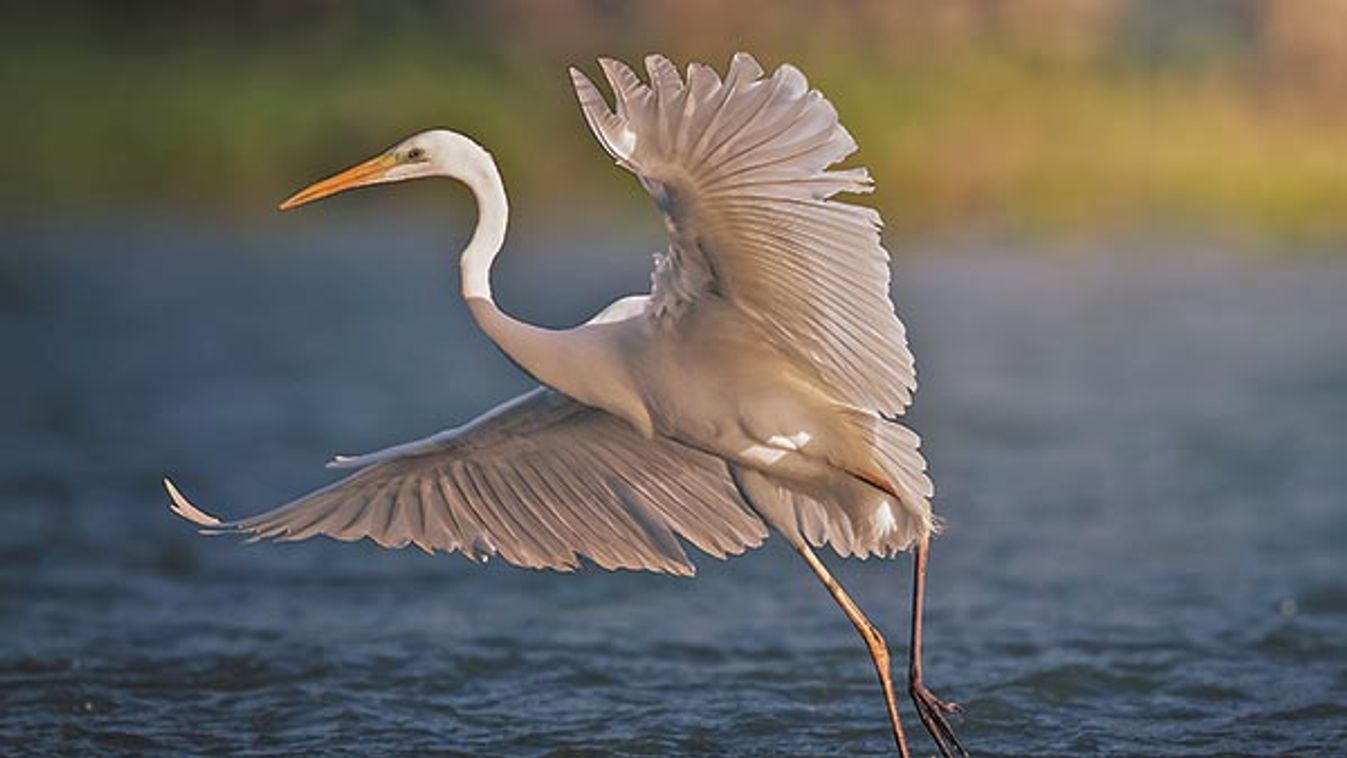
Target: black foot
[932, 711]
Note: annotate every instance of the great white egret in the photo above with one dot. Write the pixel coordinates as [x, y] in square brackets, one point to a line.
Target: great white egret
[759, 383]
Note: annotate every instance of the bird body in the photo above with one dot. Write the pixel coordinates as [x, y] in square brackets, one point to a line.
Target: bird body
[758, 383]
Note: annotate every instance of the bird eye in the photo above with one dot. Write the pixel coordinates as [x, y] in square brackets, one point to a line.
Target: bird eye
[416, 154]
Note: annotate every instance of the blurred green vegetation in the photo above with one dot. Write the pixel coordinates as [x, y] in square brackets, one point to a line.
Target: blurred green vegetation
[1030, 116]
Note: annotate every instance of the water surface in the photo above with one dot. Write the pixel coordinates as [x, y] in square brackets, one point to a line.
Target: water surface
[1142, 467]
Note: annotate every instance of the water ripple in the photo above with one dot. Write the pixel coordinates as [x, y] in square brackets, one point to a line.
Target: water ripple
[1141, 469]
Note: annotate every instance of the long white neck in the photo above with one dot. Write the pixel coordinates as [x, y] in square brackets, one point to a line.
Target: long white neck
[493, 217]
[579, 362]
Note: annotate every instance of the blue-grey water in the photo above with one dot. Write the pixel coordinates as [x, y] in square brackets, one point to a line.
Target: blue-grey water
[1142, 460]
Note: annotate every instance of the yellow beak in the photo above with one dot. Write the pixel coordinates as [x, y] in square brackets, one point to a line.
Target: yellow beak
[369, 172]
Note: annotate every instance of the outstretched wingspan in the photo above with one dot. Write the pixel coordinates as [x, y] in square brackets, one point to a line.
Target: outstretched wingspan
[741, 168]
[539, 480]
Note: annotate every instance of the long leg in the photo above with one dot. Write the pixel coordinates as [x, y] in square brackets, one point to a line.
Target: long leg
[766, 497]
[930, 708]
[879, 649]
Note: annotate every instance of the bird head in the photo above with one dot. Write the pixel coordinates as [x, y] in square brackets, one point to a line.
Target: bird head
[438, 152]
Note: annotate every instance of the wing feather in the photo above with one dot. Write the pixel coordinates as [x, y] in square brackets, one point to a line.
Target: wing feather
[743, 170]
[540, 481]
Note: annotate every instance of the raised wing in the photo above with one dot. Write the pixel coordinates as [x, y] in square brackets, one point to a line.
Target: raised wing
[539, 480]
[741, 168]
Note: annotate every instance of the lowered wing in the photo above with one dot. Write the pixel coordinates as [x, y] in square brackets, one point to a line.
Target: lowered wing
[539, 481]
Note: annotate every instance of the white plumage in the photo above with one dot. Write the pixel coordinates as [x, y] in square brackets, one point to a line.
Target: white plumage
[741, 168]
[757, 384]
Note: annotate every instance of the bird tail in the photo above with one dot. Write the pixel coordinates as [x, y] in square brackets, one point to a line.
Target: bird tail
[899, 469]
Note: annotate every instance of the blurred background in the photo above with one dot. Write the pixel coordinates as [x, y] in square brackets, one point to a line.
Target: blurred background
[1118, 240]
[1032, 117]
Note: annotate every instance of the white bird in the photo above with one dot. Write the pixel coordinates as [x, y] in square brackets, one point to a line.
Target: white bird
[758, 383]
